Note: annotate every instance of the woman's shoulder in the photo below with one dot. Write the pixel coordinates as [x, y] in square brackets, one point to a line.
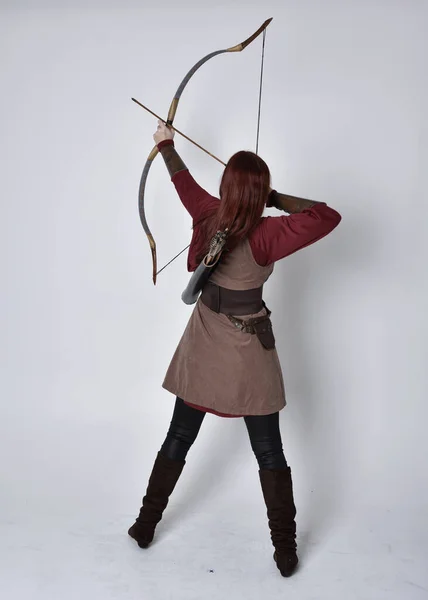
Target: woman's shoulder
[275, 238]
[257, 242]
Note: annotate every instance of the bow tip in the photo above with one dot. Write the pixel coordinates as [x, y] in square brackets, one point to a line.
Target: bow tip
[154, 258]
[248, 41]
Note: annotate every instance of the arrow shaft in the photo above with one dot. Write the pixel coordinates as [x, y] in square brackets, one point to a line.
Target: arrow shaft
[178, 131]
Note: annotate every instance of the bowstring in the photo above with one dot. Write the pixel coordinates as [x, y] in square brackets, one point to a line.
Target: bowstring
[257, 138]
[260, 91]
[172, 259]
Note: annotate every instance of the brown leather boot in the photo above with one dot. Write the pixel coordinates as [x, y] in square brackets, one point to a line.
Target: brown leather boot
[277, 490]
[165, 474]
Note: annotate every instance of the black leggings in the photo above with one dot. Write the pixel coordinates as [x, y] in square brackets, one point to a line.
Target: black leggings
[265, 436]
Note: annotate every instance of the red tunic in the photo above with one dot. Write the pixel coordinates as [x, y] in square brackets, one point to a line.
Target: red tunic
[273, 239]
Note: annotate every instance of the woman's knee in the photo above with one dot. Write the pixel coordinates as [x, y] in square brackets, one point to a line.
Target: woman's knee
[265, 438]
[182, 432]
[271, 459]
[174, 447]
[268, 452]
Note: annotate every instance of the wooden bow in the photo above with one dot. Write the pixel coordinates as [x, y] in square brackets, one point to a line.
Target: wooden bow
[171, 115]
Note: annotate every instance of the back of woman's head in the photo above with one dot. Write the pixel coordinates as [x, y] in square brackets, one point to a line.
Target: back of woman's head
[244, 190]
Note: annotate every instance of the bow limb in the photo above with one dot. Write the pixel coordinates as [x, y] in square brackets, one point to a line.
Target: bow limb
[171, 115]
[141, 209]
[237, 48]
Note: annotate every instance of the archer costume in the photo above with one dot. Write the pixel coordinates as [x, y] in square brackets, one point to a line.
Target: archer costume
[226, 362]
[217, 366]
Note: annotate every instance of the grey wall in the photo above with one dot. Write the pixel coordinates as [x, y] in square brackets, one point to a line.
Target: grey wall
[86, 338]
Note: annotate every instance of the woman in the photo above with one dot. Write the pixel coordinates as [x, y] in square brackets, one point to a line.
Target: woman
[226, 362]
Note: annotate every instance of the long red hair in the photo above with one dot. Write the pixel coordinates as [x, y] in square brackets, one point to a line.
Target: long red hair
[244, 189]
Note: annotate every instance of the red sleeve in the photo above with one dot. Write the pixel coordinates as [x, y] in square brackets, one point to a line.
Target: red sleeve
[195, 199]
[278, 237]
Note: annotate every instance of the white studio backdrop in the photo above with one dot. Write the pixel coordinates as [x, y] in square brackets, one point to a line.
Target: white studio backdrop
[86, 338]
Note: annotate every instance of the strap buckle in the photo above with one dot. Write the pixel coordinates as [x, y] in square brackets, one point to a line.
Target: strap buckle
[243, 326]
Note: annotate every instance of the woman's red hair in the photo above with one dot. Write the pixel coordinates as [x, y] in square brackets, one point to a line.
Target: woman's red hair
[244, 190]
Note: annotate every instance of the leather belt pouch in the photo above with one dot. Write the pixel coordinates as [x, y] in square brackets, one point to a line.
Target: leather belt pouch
[259, 326]
[264, 332]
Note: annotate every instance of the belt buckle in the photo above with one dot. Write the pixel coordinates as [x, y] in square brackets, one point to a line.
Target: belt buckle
[240, 325]
[245, 327]
[237, 322]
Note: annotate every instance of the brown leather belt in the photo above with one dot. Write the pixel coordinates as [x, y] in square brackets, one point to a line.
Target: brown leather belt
[241, 302]
[233, 302]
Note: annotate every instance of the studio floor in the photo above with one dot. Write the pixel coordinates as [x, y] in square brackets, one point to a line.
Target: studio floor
[212, 554]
